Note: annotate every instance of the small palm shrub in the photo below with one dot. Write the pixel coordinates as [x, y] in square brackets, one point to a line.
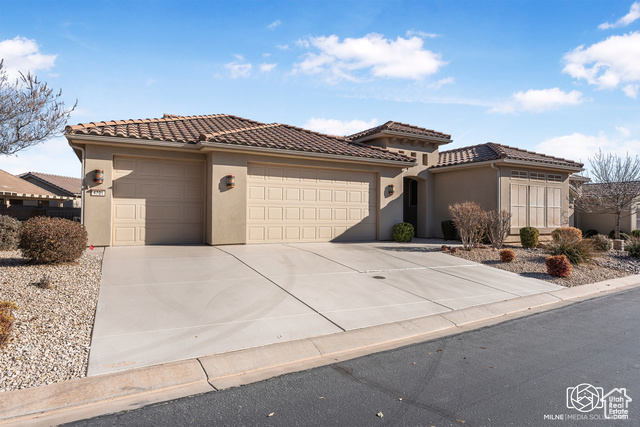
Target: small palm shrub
[636, 234]
[6, 320]
[403, 232]
[601, 243]
[52, 240]
[448, 230]
[529, 237]
[507, 255]
[566, 233]
[623, 236]
[9, 233]
[633, 247]
[558, 266]
[590, 233]
[577, 251]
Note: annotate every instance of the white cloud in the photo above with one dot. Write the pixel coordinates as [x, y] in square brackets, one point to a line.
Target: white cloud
[537, 101]
[608, 64]
[238, 69]
[442, 82]
[283, 46]
[633, 15]
[22, 54]
[274, 24]
[338, 127]
[401, 58]
[267, 67]
[581, 147]
[422, 34]
[624, 131]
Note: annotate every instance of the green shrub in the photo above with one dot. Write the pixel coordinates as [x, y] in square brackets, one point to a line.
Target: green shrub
[529, 237]
[636, 234]
[577, 251]
[590, 233]
[558, 266]
[403, 232]
[566, 233]
[507, 255]
[52, 240]
[601, 243]
[623, 236]
[449, 231]
[6, 320]
[633, 247]
[9, 233]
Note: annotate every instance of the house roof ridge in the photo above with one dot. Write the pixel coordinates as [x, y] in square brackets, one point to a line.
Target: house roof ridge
[207, 136]
[41, 177]
[165, 118]
[522, 150]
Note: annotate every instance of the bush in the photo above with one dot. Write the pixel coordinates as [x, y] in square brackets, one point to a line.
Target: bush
[623, 236]
[633, 247]
[558, 266]
[6, 320]
[9, 233]
[507, 255]
[529, 237]
[52, 240]
[590, 233]
[636, 234]
[601, 243]
[403, 232]
[577, 251]
[566, 233]
[498, 227]
[449, 231]
[471, 221]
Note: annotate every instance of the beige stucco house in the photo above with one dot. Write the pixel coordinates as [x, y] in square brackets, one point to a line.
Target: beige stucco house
[222, 179]
[17, 192]
[64, 186]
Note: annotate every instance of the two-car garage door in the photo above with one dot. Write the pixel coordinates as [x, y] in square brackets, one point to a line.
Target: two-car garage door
[294, 204]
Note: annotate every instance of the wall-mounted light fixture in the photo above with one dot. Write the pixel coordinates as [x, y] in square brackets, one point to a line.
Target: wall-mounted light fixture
[231, 181]
[98, 176]
[391, 189]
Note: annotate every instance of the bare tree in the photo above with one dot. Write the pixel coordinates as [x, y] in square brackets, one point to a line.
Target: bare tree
[471, 221]
[615, 187]
[30, 112]
[498, 227]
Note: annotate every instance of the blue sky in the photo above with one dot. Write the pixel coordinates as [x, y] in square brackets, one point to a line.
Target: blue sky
[558, 77]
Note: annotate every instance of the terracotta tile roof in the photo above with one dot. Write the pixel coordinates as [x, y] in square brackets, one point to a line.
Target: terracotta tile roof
[227, 129]
[492, 151]
[70, 185]
[399, 127]
[12, 185]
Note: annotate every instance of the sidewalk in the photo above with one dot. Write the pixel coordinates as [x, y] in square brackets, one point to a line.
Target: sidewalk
[109, 393]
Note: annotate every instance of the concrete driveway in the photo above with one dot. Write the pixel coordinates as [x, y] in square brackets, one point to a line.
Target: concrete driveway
[164, 303]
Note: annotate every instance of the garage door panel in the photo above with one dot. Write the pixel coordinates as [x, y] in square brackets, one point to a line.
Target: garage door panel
[317, 204]
[157, 201]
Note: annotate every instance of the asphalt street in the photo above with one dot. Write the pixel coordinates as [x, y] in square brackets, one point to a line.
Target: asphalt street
[514, 373]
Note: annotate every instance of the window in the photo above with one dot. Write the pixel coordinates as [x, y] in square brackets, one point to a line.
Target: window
[554, 178]
[518, 205]
[554, 207]
[425, 159]
[413, 155]
[518, 175]
[536, 206]
[536, 176]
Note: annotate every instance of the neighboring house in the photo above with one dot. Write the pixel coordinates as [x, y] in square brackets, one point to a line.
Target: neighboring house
[604, 223]
[222, 179]
[18, 192]
[65, 186]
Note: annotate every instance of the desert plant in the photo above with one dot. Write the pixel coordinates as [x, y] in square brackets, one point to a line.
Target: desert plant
[6, 320]
[566, 233]
[498, 227]
[601, 243]
[529, 237]
[577, 251]
[590, 233]
[471, 221]
[558, 266]
[52, 240]
[623, 236]
[44, 282]
[453, 250]
[636, 234]
[448, 230]
[403, 232]
[9, 233]
[507, 255]
[633, 247]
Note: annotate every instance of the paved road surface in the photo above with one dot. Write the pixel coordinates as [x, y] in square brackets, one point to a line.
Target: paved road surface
[515, 373]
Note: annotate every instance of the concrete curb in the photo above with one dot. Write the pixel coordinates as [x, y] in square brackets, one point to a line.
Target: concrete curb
[103, 394]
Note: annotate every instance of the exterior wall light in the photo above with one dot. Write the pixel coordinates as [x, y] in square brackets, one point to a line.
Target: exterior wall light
[231, 181]
[98, 176]
[391, 189]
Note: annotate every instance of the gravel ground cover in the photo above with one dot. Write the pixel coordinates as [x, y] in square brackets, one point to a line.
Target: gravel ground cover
[531, 263]
[52, 328]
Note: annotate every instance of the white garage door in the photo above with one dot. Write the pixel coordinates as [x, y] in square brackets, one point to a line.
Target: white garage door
[290, 204]
[157, 201]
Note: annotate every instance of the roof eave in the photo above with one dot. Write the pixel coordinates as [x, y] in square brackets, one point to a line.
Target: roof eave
[528, 163]
[29, 174]
[79, 138]
[386, 132]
